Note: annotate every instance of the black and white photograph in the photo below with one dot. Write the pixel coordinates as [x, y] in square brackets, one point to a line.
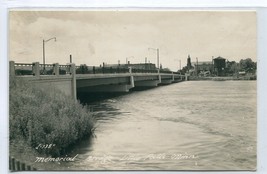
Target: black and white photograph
[132, 90]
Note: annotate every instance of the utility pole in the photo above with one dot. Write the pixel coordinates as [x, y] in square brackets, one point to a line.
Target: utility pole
[156, 49]
[197, 67]
[213, 67]
[158, 57]
[44, 41]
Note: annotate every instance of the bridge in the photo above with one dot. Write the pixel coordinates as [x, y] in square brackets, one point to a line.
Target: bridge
[71, 79]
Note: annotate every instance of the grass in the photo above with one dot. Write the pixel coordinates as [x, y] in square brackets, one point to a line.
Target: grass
[46, 116]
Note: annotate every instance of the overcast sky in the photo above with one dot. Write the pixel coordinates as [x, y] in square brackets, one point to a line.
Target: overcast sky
[93, 37]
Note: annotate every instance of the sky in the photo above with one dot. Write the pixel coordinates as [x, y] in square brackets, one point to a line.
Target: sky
[112, 36]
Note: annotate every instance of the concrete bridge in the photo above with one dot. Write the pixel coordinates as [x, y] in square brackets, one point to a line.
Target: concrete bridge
[72, 79]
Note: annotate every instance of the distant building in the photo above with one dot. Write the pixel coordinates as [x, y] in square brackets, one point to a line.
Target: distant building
[144, 66]
[219, 66]
[203, 66]
[189, 65]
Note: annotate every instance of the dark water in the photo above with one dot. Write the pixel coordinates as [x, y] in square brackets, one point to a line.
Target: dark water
[195, 125]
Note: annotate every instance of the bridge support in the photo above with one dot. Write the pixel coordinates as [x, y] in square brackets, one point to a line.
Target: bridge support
[131, 78]
[159, 76]
[73, 80]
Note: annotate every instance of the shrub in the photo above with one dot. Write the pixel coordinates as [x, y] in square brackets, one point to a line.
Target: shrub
[46, 116]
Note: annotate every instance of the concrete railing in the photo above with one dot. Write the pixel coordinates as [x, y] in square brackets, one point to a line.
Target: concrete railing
[37, 69]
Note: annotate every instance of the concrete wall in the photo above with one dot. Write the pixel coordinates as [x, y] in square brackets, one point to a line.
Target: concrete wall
[62, 83]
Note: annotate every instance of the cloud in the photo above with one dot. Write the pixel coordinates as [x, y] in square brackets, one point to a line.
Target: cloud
[93, 37]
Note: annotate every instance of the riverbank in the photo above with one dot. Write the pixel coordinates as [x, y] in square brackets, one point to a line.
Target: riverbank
[44, 122]
[223, 78]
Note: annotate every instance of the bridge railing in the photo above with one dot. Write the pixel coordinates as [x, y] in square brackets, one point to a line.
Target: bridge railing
[84, 69]
[36, 69]
[23, 69]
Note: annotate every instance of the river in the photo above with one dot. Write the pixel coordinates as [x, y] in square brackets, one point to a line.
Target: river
[193, 125]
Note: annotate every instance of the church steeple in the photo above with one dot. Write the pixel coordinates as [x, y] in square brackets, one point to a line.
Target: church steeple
[188, 62]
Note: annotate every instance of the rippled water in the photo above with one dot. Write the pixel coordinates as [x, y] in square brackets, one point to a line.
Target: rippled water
[194, 125]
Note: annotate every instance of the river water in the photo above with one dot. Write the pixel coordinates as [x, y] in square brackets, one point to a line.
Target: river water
[193, 125]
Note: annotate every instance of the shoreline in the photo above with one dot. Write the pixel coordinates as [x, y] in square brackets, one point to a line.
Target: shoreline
[44, 123]
[245, 78]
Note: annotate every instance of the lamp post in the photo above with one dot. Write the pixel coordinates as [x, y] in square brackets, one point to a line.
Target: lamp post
[127, 58]
[156, 49]
[197, 66]
[44, 41]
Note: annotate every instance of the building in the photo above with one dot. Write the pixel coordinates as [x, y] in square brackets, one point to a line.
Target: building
[144, 66]
[219, 66]
[189, 65]
[202, 67]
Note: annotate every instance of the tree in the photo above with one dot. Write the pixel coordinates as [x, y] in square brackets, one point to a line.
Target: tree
[247, 65]
[232, 67]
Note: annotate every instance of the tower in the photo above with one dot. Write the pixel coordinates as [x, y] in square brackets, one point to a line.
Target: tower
[188, 62]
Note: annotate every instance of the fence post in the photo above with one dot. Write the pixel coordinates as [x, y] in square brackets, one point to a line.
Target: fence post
[13, 164]
[73, 81]
[23, 166]
[12, 68]
[56, 69]
[9, 164]
[36, 69]
[17, 165]
[29, 168]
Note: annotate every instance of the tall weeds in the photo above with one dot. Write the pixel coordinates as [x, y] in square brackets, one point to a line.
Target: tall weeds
[46, 116]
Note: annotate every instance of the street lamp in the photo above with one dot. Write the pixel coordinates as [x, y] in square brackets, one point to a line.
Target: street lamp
[156, 49]
[127, 59]
[44, 41]
[197, 66]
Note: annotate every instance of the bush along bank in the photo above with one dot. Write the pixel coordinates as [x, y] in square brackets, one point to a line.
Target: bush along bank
[46, 119]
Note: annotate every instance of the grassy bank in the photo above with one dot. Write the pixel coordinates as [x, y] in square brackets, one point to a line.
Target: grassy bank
[45, 116]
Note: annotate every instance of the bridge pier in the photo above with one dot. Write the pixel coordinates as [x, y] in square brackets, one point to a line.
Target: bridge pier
[159, 76]
[131, 78]
[73, 80]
